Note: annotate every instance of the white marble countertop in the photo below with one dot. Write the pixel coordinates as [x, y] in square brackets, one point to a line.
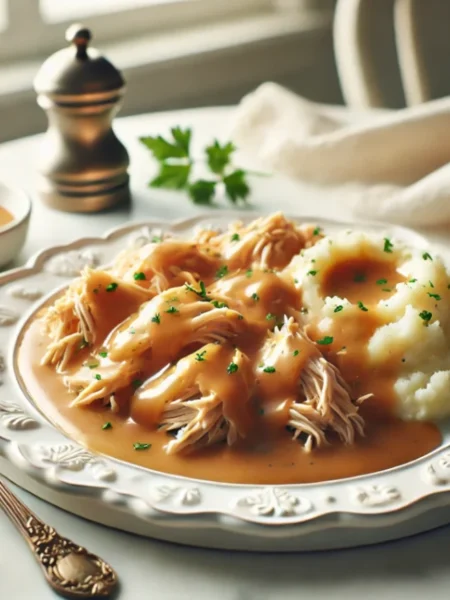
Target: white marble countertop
[413, 568]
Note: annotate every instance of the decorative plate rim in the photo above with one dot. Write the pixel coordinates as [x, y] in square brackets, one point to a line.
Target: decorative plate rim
[34, 446]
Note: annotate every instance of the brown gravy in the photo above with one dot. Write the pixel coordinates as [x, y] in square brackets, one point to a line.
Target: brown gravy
[5, 216]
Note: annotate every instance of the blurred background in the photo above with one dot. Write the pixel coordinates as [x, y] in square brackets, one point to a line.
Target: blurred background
[186, 53]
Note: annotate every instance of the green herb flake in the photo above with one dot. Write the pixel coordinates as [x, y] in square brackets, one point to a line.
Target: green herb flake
[426, 316]
[312, 273]
[317, 231]
[218, 304]
[296, 353]
[431, 284]
[269, 369]
[362, 307]
[200, 356]
[232, 368]
[435, 296]
[386, 290]
[136, 383]
[156, 319]
[427, 256]
[381, 282]
[235, 237]
[255, 297]
[156, 239]
[93, 365]
[98, 377]
[270, 316]
[107, 425]
[249, 273]
[412, 281]
[222, 272]
[112, 287]
[132, 331]
[325, 341]
[103, 354]
[388, 245]
[172, 310]
[141, 446]
[140, 276]
[338, 308]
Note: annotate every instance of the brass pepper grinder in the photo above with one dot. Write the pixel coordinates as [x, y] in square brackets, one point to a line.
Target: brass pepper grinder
[82, 164]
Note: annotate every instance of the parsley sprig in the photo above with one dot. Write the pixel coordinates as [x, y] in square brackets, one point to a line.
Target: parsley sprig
[176, 165]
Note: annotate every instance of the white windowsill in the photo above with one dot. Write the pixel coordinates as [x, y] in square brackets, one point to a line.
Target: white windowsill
[182, 64]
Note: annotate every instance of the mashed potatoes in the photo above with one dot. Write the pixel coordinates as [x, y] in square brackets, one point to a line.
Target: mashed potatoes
[400, 296]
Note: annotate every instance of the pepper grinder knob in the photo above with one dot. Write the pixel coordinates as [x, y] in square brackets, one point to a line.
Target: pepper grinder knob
[79, 36]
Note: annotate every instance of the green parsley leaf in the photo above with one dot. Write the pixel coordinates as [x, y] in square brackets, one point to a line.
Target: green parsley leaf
[412, 281]
[317, 231]
[338, 308]
[218, 304]
[362, 307]
[172, 310]
[386, 290]
[232, 368]
[427, 256]
[93, 365]
[112, 287]
[270, 316]
[435, 296]
[249, 273]
[269, 369]
[156, 319]
[172, 177]
[219, 156]
[141, 446]
[255, 297]
[200, 356]
[325, 341]
[431, 284]
[359, 277]
[388, 245]
[222, 272]
[296, 353]
[312, 273]
[140, 276]
[163, 149]
[98, 377]
[103, 354]
[235, 237]
[236, 186]
[202, 191]
[156, 239]
[107, 425]
[381, 281]
[426, 316]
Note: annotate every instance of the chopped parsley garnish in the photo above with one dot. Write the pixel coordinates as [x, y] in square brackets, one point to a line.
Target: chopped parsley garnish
[156, 239]
[270, 316]
[132, 331]
[269, 369]
[425, 315]
[235, 237]
[103, 354]
[218, 304]
[112, 287]
[431, 284]
[172, 310]
[107, 425]
[93, 365]
[255, 297]
[325, 341]
[381, 281]
[201, 292]
[200, 356]
[141, 446]
[386, 290]
[317, 231]
[296, 353]
[435, 296]
[427, 256]
[136, 383]
[249, 273]
[412, 281]
[97, 376]
[362, 307]
[338, 308]
[388, 245]
[359, 277]
[222, 272]
[232, 368]
[156, 319]
[312, 273]
[140, 276]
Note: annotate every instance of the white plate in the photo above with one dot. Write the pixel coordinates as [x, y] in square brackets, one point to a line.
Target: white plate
[34, 454]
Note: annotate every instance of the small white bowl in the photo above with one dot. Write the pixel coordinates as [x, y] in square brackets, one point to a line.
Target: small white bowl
[14, 233]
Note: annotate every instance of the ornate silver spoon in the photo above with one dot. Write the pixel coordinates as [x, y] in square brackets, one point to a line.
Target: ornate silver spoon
[71, 570]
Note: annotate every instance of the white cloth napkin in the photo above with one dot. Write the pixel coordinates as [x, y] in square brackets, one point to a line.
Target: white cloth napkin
[389, 165]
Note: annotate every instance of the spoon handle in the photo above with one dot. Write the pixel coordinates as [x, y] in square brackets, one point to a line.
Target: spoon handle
[71, 570]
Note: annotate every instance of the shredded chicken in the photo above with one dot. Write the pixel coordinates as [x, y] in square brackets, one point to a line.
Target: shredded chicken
[202, 398]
